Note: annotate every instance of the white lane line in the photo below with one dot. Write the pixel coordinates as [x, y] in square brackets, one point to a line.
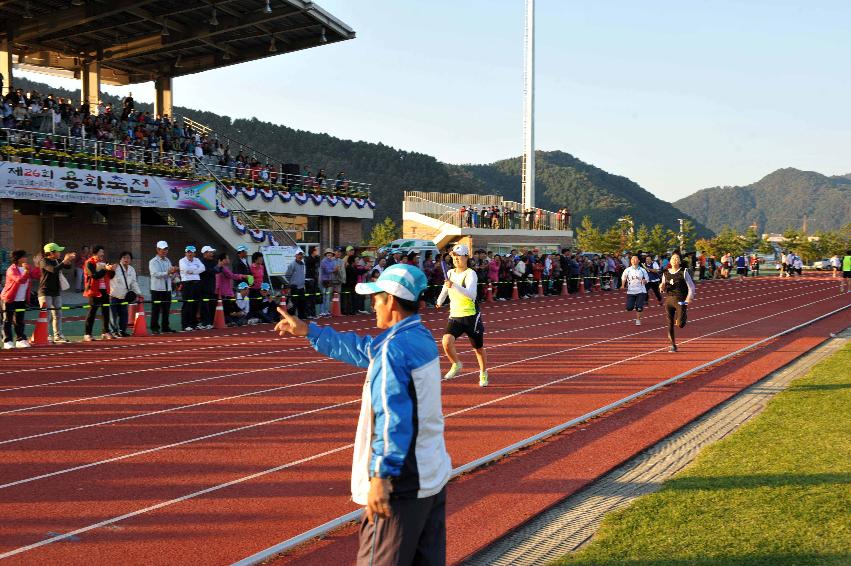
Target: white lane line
[262, 473]
[317, 360]
[320, 409]
[227, 375]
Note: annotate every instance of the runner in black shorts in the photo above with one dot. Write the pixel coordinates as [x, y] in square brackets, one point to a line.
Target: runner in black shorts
[679, 292]
[472, 326]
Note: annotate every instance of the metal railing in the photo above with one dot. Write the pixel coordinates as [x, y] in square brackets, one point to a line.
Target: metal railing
[508, 214]
[255, 219]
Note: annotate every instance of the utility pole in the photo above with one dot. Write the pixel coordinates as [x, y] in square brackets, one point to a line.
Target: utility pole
[528, 162]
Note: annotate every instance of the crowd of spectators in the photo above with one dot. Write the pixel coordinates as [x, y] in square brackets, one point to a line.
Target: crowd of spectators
[36, 122]
[507, 217]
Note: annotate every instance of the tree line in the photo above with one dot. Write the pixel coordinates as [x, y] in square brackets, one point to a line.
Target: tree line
[622, 237]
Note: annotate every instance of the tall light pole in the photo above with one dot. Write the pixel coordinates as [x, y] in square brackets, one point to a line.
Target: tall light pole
[528, 162]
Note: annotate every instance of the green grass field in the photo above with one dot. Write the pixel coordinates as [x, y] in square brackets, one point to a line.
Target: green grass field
[775, 492]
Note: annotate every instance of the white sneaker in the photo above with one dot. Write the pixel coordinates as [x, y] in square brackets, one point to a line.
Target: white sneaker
[253, 321]
[637, 322]
[188, 329]
[483, 379]
[453, 371]
[8, 345]
[22, 344]
[88, 338]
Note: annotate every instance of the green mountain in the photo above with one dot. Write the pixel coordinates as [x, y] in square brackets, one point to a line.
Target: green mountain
[786, 198]
[562, 180]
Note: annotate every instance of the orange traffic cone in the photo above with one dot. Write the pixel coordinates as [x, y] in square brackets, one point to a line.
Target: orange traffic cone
[140, 328]
[564, 287]
[489, 294]
[39, 337]
[335, 305]
[515, 294]
[581, 285]
[597, 285]
[219, 319]
[540, 288]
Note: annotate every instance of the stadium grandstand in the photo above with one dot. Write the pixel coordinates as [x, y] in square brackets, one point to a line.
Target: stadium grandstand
[81, 171]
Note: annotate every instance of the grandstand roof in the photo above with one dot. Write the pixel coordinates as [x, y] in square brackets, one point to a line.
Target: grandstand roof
[140, 40]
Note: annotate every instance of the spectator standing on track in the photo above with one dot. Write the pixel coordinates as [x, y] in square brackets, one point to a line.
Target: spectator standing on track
[846, 272]
[258, 275]
[242, 266]
[208, 287]
[326, 281]
[50, 287]
[79, 266]
[191, 269]
[311, 263]
[835, 264]
[96, 288]
[464, 315]
[123, 290]
[635, 279]
[400, 466]
[161, 272]
[225, 279]
[295, 276]
[14, 298]
[679, 291]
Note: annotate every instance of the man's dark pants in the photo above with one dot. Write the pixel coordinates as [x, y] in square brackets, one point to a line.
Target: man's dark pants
[191, 304]
[208, 307]
[415, 533]
[297, 295]
[160, 310]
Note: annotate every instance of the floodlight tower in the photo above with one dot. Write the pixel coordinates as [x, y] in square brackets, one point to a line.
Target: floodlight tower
[527, 172]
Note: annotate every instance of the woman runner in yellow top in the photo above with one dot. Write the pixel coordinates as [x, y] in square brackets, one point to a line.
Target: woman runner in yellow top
[464, 316]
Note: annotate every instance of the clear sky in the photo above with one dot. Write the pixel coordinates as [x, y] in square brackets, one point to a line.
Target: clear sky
[675, 95]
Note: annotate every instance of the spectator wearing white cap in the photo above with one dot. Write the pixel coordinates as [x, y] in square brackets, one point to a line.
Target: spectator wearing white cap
[242, 265]
[464, 316]
[161, 272]
[191, 269]
[208, 287]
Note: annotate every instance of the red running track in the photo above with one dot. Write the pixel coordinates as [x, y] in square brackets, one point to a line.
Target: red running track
[205, 448]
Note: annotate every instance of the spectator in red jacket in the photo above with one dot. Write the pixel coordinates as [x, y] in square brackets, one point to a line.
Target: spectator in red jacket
[96, 288]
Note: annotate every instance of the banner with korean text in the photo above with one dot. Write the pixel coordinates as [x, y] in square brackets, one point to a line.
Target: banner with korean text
[62, 184]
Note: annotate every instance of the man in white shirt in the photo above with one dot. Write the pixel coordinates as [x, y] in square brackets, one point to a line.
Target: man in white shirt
[191, 269]
[161, 272]
[519, 272]
[635, 280]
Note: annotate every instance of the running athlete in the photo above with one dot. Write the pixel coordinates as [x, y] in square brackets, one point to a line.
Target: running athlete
[464, 316]
[679, 292]
[635, 280]
[846, 272]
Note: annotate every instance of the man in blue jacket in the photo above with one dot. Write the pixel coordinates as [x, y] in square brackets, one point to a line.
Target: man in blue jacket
[400, 465]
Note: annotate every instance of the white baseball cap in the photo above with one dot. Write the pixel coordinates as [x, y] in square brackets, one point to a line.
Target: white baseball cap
[206, 249]
[461, 249]
[162, 245]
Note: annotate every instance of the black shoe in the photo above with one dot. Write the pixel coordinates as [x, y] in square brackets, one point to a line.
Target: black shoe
[155, 332]
[673, 349]
[169, 331]
[124, 334]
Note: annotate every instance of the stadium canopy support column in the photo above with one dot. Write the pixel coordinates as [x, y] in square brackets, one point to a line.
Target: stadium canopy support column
[7, 223]
[6, 66]
[90, 75]
[125, 230]
[163, 100]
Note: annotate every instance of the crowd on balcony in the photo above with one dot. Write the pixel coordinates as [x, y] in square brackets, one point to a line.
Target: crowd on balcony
[507, 217]
[57, 130]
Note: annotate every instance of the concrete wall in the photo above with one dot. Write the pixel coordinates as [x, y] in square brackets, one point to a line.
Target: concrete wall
[7, 224]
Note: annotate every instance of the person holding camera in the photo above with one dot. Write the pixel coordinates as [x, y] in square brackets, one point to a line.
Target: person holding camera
[123, 291]
[96, 281]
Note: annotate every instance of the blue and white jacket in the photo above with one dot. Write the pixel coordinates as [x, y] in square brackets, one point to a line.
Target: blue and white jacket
[400, 429]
